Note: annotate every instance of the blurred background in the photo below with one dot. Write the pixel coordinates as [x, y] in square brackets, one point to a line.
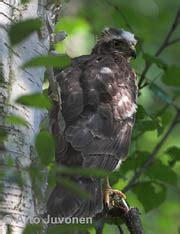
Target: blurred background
[157, 194]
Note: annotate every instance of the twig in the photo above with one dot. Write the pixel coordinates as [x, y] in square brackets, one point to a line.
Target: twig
[163, 46]
[119, 208]
[130, 216]
[120, 229]
[117, 8]
[99, 230]
[176, 40]
[133, 222]
[151, 157]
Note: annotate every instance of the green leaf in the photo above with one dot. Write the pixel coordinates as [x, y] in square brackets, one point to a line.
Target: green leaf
[9, 229]
[32, 228]
[134, 162]
[16, 120]
[36, 100]
[141, 113]
[83, 171]
[166, 117]
[152, 59]
[51, 177]
[128, 165]
[172, 76]
[60, 61]
[159, 92]
[38, 177]
[160, 171]
[19, 31]
[63, 228]
[145, 125]
[150, 194]
[24, 1]
[3, 136]
[148, 125]
[113, 220]
[174, 153]
[45, 147]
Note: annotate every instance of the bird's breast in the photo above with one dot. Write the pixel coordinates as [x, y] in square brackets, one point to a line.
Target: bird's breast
[124, 105]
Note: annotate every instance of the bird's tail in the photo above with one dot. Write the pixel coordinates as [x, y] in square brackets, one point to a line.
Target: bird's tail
[65, 203]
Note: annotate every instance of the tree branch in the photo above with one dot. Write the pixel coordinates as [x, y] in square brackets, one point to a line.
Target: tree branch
[117, 8]
[119, 208]
[130, 216]
[120, 229]
[176, 40]
[166, 42]
[151, 157]
[133, 222]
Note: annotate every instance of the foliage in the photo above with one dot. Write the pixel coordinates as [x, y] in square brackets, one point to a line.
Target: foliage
[170, 76]
[45, 147]
[150, 172]
[148, 196]
[36, 100]
[19, 31]
[49, 61]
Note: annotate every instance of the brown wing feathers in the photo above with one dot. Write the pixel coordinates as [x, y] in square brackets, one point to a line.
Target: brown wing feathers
[98, 106]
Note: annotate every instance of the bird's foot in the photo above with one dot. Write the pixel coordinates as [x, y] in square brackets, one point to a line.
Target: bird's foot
[114, 196]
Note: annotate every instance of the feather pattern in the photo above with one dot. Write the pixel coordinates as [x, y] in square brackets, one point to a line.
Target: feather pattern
[98, 105]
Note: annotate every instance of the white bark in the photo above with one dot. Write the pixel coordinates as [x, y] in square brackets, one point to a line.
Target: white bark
[15, 201]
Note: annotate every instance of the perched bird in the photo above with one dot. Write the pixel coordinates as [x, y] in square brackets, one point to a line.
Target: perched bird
[98, 93]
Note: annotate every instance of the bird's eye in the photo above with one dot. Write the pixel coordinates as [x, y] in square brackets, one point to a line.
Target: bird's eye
[118, 44]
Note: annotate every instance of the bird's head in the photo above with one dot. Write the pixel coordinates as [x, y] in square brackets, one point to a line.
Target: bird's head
[117, 40]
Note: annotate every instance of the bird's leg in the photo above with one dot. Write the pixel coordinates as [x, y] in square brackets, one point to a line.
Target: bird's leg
[110, 194]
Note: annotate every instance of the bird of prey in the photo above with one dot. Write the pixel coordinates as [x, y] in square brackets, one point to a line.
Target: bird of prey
[98, 93]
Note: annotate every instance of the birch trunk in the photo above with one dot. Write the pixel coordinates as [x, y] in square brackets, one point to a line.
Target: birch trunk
[16, 202]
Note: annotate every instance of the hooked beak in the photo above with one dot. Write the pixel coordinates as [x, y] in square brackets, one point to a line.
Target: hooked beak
[133, 52]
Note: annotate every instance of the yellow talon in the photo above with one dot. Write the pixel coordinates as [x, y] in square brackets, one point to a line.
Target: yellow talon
[109, 194]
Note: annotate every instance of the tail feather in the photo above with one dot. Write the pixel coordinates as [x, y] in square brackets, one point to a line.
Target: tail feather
[64, 203]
